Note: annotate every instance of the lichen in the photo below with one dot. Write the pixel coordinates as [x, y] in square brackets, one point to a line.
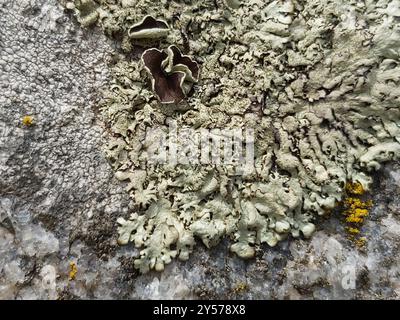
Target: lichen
[73, 270]
[356, 210]
[240, 288]
[171, 73]
[148, 28]
[86, 11]
[27, 121]
[317, 82]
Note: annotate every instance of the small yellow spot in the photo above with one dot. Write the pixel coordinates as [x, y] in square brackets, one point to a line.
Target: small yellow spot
[240, 287]
[73, 270]
[355, 188]
[353, 230]
[27, 121]
[360, 242]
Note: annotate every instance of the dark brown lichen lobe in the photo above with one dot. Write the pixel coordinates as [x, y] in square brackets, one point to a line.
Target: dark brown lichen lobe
[169, 72]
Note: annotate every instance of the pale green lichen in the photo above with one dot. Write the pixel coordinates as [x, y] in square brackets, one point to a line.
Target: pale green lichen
[317, 81]
[86, 11]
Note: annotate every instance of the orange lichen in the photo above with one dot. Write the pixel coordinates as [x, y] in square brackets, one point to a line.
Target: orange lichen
[73, 270]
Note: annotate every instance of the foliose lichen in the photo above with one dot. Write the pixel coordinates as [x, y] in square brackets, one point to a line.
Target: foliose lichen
[317, 81]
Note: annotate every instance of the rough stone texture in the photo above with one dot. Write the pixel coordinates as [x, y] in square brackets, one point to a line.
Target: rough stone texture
[59, 200]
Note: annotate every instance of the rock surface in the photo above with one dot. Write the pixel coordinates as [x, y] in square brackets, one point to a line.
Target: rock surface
[59, 200]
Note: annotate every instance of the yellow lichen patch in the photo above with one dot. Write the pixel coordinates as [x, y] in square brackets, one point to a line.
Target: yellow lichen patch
[360, 242]
[73, 270]
[240, 288]
[355, 211]
[353, 230]
[27, 121]
[355, 188]
[357, 215]
[357, 202]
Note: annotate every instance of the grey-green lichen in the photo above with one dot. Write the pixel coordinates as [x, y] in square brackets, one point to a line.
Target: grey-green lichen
[318, 81]
[148, 28]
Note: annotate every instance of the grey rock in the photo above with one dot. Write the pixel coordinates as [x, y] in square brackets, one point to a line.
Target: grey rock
[59, 200]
